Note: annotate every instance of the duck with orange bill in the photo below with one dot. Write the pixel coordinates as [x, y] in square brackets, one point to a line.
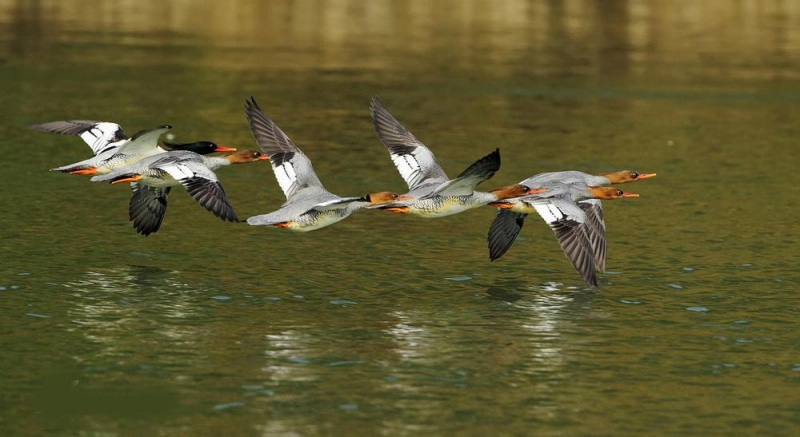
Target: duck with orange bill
[113, 149]
[152, 177]
[574, 213]
[431, 193]
[309, 206]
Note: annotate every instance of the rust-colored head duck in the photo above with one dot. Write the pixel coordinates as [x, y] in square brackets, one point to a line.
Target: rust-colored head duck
[624, 176]
[384, 197]
[515, 190]
[610, 193]
[245, 156]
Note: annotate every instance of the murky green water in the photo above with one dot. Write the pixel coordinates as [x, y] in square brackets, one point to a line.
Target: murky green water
[391, 325]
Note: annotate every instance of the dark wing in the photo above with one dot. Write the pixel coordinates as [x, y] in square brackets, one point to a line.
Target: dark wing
[504, 231]
[292, 168]
[97, 134]
[596, 231]
[147, 208]
[201, 183]
[415, 162]
[211, 196]
[568, 222]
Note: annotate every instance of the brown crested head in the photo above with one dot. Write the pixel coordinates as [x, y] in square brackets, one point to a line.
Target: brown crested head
[608, 193]
[624, 176]
[384, 197]
[245, 156]
[515, 190]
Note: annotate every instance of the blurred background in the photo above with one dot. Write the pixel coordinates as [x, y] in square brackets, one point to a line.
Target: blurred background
[394, 325]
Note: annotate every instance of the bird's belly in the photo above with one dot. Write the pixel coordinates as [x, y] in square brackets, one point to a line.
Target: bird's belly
[442, 206]
[316, 220]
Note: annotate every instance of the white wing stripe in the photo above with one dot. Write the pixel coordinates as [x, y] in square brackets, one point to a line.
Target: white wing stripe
[179, 172]
[285, 175]
[407, 166]
[100, 135]
[550, 213]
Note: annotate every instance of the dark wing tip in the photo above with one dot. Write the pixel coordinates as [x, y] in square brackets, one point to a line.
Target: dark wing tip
[211, 196]
[147, 208]
[503, 232]
[485, 167]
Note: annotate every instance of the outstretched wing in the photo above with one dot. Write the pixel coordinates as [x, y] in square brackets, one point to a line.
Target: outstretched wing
[596, 230]
[202, 184]
[415, 162]
[292, 168]
[504, 231]
[97, 134]
[147, 207]
[568, 222]
[144, 142]
[465, 183]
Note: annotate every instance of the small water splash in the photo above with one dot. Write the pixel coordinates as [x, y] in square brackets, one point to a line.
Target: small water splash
[675, 286]
[459, 278]
[228, 406]
[221, 298]
[698, 309]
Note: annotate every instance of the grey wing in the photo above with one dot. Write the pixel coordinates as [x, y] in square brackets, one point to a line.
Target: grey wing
[337, 203]
[292, 168]
[560, 177]
[97, 134]
[144, 142]
[202, 184]
[147, 208]
[504, 231]
[415, 162]
[596, 230]
[568, 222]
[465, 183]
[285, 214]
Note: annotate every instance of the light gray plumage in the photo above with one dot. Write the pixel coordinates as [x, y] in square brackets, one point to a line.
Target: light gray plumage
[559, 208]
[557, 182]
[432, 193]
[111, 147]
[308, 205]
[194, 172]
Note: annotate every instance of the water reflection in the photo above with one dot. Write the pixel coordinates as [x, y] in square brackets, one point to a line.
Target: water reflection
[359, 325]
[577, 37]
[111, 308]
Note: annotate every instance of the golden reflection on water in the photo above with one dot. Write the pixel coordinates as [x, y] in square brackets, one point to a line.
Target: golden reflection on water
[543, 37]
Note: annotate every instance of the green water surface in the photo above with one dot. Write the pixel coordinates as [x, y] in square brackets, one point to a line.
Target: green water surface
[386, 324]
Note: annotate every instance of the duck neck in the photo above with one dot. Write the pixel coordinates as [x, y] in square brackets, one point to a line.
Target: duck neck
[215, 162]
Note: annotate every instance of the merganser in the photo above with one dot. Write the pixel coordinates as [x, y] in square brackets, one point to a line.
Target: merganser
[153, 177]
[613, 178]
[592, 206]
[432, 193]
[574, 213]
[113, 149]
[309, 206]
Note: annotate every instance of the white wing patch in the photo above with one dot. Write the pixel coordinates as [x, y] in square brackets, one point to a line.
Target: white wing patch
[179, 171]
[100, 136]
[550, 213]
[285, 175]
[409, 168]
